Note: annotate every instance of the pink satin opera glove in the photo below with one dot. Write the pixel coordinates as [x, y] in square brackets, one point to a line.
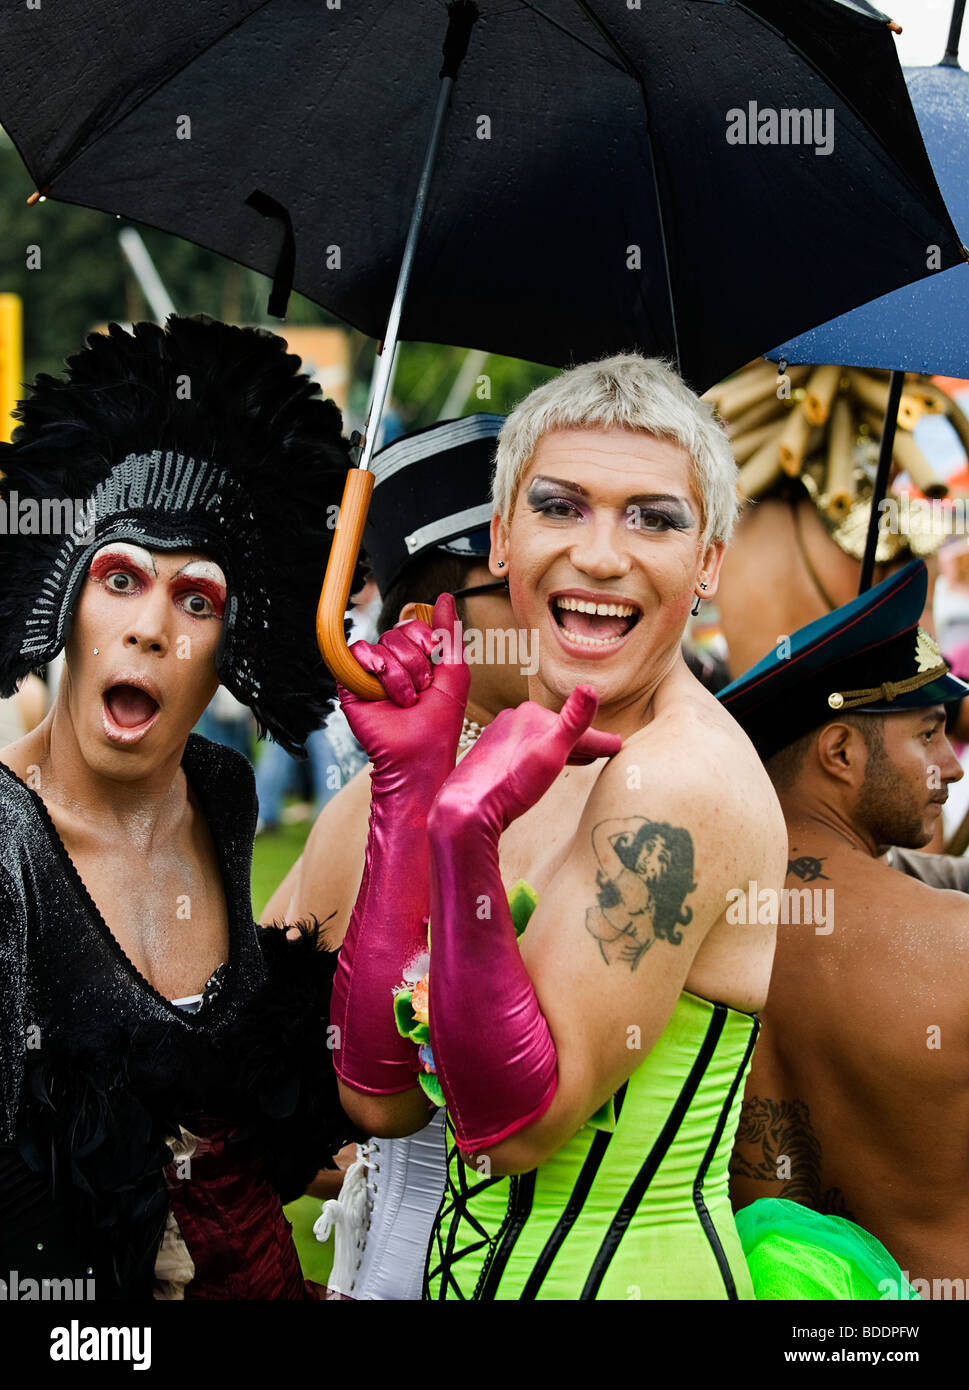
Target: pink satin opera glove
[411, 739]
[494, 1054]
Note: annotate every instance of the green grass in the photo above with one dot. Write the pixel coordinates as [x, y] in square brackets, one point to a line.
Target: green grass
[316, 1259]
[274, 855]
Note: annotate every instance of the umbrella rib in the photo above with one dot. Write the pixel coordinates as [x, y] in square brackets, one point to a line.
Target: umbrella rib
[563, 28]
[80, 149]
[833, 87]
[630, 68]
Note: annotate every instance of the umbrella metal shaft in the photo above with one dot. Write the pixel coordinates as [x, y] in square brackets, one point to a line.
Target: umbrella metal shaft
[341, 565]
[385, 362]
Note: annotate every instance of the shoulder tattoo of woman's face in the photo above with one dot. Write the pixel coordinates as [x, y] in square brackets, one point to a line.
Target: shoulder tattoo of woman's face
[644, 877]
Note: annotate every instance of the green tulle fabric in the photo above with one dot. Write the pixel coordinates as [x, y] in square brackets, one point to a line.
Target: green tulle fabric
[793, 1252]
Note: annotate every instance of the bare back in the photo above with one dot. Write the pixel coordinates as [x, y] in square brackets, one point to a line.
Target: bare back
[858, 1099]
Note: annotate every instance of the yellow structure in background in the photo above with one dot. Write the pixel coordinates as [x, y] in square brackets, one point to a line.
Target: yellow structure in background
[11, 360]
[325, 354]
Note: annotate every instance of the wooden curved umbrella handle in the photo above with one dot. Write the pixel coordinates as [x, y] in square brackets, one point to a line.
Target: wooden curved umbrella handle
[335, 594]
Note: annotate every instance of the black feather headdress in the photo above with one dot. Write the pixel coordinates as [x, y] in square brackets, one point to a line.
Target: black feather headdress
[197, 436]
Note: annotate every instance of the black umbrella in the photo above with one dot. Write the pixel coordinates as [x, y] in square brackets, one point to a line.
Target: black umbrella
[586, 197]
[612, 174]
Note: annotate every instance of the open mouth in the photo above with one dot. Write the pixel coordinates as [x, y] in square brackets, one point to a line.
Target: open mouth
[593, 623]
[128, 710]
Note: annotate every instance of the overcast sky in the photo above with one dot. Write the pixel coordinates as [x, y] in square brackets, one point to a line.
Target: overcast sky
[925, 25]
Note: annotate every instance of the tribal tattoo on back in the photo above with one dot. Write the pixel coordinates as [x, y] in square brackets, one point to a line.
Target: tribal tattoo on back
[806, 867]
[645, 874]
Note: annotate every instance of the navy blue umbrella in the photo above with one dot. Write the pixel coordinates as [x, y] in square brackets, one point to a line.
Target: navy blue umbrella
[923, 327]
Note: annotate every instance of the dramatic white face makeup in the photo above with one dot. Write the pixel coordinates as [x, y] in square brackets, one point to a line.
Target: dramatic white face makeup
[124, 568]
[140, 558]
[142, 652]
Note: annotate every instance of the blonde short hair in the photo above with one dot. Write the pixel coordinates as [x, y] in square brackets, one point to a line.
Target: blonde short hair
[625, 392]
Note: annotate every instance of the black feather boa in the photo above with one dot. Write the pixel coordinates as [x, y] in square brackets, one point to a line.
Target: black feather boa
[99, 1104]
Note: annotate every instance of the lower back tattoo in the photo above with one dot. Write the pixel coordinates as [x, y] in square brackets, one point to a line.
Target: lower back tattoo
[786, 1150]
[645, 874]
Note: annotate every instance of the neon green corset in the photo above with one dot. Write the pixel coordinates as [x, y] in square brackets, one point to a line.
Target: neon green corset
[636, 1208]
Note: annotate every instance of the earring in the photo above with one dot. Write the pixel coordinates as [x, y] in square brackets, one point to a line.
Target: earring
[696, 606]
[95, 651]
[704, 586]
[501, 564]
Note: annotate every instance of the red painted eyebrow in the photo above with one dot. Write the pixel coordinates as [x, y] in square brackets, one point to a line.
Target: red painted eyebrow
[114, 559]
[209, 588]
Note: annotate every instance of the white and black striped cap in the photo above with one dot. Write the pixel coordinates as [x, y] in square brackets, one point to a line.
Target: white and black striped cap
[432, 490]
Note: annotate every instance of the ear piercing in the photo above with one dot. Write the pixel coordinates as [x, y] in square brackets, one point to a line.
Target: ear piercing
[694, 610]
[95, 651]
[501, 564]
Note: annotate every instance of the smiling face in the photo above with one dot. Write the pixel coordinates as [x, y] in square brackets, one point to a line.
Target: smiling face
[141, 655]
[604, 558]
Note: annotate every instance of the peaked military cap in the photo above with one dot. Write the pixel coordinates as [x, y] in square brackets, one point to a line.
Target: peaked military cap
[432, 490]
[869, 656]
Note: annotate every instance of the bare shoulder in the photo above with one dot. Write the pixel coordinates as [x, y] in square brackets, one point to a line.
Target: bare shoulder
[697, 724]
[870, 875]
[881, 914]
[21, 755]
[693, 756]
[333, 859]
[669, 827]
[341, 813]
[924, 900]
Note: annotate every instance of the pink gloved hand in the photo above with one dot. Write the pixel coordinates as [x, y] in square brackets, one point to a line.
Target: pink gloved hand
[411, 739]
[493, 1051]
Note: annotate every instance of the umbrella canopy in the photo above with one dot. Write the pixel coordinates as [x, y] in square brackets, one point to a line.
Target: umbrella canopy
[923, 327]
[612, 175]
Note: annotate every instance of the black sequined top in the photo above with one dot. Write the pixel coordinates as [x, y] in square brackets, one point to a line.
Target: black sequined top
[98, 1070]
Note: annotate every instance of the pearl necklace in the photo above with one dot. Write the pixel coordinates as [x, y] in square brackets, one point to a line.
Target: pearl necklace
[470, 733]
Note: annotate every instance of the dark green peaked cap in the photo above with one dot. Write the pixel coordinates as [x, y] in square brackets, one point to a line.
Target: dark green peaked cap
[869, 656]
